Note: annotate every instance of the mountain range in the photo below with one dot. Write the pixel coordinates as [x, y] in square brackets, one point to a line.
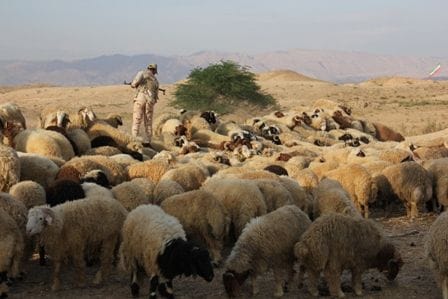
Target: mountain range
[334, 66]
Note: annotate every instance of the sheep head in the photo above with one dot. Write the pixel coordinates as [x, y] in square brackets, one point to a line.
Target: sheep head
[388, 261]
[87, 115]
[38, 219]
[233, 280]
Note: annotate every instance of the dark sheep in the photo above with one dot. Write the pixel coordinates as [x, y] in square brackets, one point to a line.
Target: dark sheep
[344, 122]
[103, 141]
[209, 116]
[62, 191]
[63, 132]
[96, 176]
[384, 133]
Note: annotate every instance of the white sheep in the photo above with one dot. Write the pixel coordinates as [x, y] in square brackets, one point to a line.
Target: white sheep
[30, 193]
[37, 168]
[165, 189]
[203, 217]
[358, 182]
[10, 112]
[336, 242]
[155, 243]
[436, 249]
[130, 195]
[70, 229]
[11, 251]
[9, 168]
[274, 193]
[190, 176]
[242, 199]
[267, 242]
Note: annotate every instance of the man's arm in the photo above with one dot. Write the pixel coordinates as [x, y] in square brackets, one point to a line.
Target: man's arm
[138, 78]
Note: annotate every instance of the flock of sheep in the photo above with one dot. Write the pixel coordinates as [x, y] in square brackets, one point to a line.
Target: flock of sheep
[291, 188]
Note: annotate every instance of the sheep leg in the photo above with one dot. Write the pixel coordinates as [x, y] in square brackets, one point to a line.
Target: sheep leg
[80, 267]
[42, 260]
[357, 282]
[414, 210]
[153, 287]
[289, 281]
[313, 279]
[135, 288]
[334, 282]
[56, 271]
[106, 258]
[253, 282]
[366, 210]
[278, 277]
[301, 275]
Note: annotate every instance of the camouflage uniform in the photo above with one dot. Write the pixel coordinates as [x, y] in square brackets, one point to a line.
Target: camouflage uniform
[147, 95]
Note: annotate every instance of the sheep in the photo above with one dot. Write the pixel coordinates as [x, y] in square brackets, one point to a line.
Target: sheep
[436, 251]
[208, 138]
[438, 170]
[44, 142]
[29, 193]
[95, 190]
[357, 181]
[113, 119]
[384, 133]
[96, 176]
[277, 169]
[165, 189]
[15, 208]
[189, 176]
[330, 197]
[307, 179]
[11, 251]
[82, 119]
[203, 217]
[411, 183]
[53, 116]
[152, 170]
[130, 195]
[274, 193]
[80, 138]
[242, 199]
[337, 242]
[147, 186]
[299, 196]
[9, 168]
[105, 150]
[62, 191]
[69, 229]
[431, 152]
[124, 159]
[37, 168]
[115, 173]
[126, 143]
[266, 242]
[154, 243]
[10, 112]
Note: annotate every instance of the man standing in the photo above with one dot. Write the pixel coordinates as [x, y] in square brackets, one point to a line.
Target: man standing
[147, 95]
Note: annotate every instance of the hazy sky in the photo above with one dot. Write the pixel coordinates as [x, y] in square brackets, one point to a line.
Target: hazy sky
[60, 29]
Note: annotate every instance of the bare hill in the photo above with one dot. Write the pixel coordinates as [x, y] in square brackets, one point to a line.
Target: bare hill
[283, 75]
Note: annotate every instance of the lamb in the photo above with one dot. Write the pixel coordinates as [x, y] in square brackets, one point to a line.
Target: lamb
[436, 251]
[242, 199]
[11, 251]
[359, 184]
[9, 168]
[30, 193]
[266, 242]
[337, 242]
[70, 229]
[165, 189]
[203, 217]
[37, 168]
[129, 195]
[154, 243]
[330, 197]
[411, 183]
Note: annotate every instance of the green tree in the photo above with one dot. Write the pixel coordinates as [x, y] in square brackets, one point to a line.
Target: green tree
[220, 87]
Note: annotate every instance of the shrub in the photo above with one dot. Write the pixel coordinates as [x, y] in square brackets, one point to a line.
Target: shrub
[220, 87]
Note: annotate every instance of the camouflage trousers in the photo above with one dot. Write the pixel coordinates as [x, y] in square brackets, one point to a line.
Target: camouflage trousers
[143, 110]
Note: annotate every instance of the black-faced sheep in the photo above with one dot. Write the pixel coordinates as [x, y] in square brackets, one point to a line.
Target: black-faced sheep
[203, 217]
[267, 242]
[335, 242]
[70, 229]
[154, 243]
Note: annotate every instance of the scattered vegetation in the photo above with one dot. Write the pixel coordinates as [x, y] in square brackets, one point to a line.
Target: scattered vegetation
[220, 87]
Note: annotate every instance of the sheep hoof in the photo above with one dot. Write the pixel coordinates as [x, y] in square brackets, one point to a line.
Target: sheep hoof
[3, 295]
[278, 294]
[358, 292]
[55, 286]
[135, 290]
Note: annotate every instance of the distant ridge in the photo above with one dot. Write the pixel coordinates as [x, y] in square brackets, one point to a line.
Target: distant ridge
[283, 75]
[333, 66]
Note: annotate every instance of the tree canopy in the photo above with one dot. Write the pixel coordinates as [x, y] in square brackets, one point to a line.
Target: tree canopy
[220, 87]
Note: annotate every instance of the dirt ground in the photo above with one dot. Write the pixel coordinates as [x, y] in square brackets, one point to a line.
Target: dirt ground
[410, 106]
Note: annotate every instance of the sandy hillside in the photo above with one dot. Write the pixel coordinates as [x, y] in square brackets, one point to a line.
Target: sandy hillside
[408, 105]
